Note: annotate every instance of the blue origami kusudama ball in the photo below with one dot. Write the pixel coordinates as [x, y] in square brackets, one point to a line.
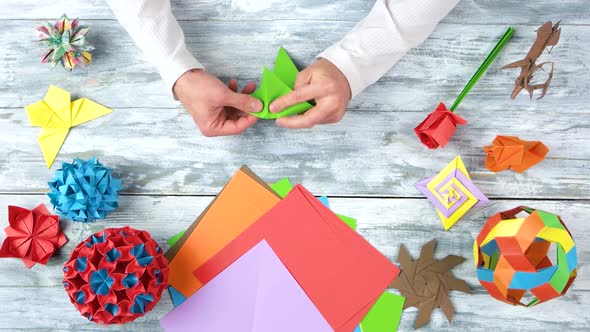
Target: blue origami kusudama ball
[84, 190]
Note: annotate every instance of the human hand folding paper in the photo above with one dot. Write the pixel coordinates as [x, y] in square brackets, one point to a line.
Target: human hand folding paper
[452, 192]
[510, 152]
[33, 235]
[277, 83]
[55, 114]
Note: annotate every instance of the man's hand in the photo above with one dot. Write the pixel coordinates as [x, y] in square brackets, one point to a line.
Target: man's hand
[215, 108]
[323, 82]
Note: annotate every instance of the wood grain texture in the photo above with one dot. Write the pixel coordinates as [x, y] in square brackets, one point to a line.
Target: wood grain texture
[37, 295]
[469, 11]
[436, 71]
[366, 154]
[371, 160]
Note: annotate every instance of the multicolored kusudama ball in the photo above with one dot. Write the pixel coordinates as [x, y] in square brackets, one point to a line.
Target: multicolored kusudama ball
[116, 276]
[84, 190]
[65, 41]
[511, 255]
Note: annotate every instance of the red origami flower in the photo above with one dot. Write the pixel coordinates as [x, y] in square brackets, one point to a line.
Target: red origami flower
[32, 236]
[439, 127]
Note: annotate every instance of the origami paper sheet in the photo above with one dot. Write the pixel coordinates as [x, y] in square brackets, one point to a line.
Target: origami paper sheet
[385, 314]
[255, 294]
[510, 152]
[452, 192]
[116, 275]
[282, 188]
[244, 199]
[66, 43]
[439, 126]
[277, 83]
[426, 282]
[511, 256]
[547, 35]
[55, 114]
[338, 269]
[32, 235]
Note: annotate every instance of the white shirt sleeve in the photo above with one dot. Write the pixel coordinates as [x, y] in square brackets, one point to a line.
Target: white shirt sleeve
[156, 32]
[383, 37]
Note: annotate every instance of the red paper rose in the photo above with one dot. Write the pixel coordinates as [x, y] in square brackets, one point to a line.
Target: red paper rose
[32, 236]
[439, 127]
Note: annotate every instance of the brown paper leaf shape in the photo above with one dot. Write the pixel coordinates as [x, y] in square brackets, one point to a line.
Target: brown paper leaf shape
[426, 282]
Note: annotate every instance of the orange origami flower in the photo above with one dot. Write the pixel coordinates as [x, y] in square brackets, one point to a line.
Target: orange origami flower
[510, 152]
[33, 235]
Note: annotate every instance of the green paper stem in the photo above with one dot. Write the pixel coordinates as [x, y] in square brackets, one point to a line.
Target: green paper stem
[484, 66]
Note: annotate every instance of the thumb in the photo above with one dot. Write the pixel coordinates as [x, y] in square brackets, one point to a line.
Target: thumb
[243, 102]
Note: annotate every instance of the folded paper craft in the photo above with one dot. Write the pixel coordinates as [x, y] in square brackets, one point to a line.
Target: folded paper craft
[276, 83]
[511, 256]
[116, 275]
[55, 114]
[510, 152]
[244, 199]
[66, 43]
[32, 235]
[338, 269]
[452, 192]
[84, 190]
[439, 126]
[426, 282]
[254, 294]
[547, 35]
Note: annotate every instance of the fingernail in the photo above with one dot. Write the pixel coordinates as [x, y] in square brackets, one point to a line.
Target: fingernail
[273, 108]
[256, 106]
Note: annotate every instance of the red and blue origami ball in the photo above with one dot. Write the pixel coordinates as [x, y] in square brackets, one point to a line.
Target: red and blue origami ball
[116, 276]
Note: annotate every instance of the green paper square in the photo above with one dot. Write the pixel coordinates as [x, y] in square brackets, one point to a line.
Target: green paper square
[385, 314]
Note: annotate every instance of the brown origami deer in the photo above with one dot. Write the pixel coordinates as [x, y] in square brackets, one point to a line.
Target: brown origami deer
[547, 35]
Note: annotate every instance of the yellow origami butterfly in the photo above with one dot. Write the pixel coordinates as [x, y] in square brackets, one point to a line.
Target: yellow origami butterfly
[55, 114]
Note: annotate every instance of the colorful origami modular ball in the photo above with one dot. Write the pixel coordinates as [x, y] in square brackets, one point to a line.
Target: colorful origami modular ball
[511, 255]
[116, 275]
[66, 43]
[84, 190]
[32, 235]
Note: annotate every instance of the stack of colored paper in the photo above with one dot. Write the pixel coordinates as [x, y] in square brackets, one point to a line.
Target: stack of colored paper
[255, 261]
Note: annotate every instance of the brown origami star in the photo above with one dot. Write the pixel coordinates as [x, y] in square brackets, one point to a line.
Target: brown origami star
[426, 282]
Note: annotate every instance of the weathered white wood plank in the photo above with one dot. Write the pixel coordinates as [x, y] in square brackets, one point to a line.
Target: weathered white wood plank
[468, 11]
[434, 72]
[37, 298]
[368, 153]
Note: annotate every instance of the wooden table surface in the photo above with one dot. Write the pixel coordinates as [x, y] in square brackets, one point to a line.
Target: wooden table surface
[367, 164]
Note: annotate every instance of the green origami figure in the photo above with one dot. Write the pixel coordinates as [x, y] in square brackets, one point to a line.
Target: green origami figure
[277, 83]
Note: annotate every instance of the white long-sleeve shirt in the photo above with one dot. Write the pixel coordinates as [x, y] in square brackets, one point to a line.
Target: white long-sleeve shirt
[366, 53]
